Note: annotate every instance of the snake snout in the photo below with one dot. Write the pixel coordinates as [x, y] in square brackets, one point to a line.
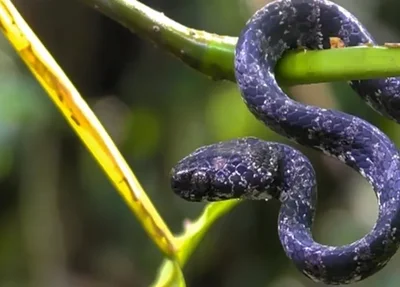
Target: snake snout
[191, 185]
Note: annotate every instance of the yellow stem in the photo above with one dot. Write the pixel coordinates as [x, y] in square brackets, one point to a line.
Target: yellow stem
[84, 122]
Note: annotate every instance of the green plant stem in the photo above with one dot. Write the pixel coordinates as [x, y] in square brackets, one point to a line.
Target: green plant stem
[209, 53]
[187, 242]
[213, 54]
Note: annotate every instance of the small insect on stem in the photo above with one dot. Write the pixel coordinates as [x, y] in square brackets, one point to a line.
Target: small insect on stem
[336, 42]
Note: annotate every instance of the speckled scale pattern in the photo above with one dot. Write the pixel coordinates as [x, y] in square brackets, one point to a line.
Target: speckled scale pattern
[254, 169]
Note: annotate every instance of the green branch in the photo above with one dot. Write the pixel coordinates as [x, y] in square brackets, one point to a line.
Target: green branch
[212, 54]
[209, 53]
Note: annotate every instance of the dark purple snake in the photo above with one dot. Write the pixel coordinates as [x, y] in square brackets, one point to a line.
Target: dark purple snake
[251, 168]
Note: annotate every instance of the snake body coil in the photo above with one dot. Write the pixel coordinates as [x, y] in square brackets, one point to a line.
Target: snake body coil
[254, 169]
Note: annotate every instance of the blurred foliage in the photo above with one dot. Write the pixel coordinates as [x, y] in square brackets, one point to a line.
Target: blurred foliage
[62, 224]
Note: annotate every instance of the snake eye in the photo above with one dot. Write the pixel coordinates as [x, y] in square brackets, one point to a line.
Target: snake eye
[200, 183]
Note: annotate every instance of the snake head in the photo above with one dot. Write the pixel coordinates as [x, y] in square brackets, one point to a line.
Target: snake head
[240, 168]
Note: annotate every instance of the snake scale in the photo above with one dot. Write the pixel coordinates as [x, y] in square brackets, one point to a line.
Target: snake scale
[250, 168]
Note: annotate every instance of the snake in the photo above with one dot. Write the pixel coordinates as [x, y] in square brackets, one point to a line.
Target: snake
[254, 169]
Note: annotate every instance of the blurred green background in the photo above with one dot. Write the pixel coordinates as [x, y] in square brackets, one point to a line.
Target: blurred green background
[61, 221]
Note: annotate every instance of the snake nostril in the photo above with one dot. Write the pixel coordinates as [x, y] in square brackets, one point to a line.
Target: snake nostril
[180, 182]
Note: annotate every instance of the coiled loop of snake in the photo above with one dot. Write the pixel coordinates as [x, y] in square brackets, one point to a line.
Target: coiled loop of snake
[255, 169]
